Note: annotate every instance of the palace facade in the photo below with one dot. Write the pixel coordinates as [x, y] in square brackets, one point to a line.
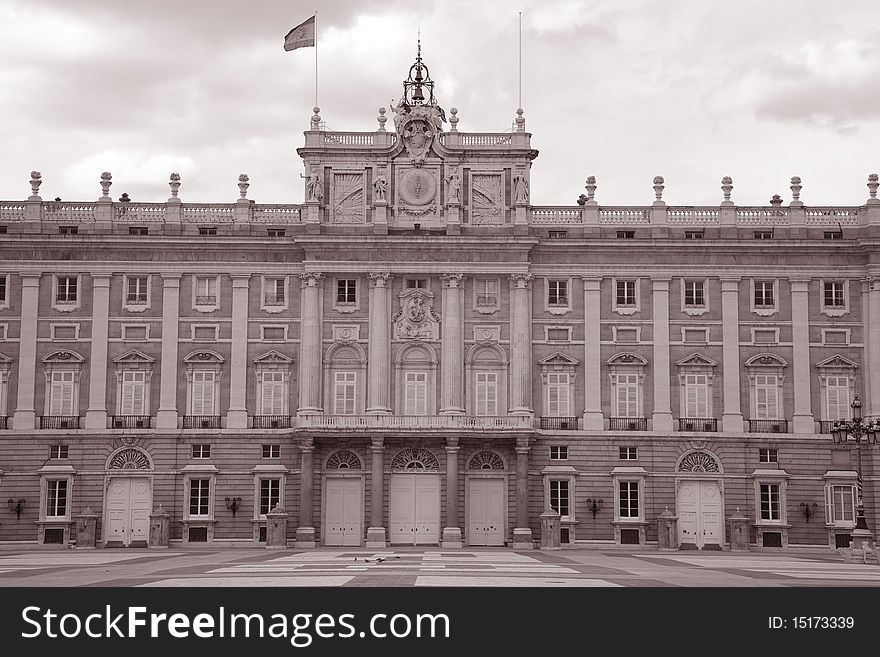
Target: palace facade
[417, 355]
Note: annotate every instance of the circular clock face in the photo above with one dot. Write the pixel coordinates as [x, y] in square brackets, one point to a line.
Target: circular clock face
[417, 187]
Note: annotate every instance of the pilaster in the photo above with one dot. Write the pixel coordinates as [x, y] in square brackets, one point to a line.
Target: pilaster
[305, 532]
[662, 416]
[803, 420]
[452, 352]
[732, 417]
[451, 530]
[522, 533]
[237, 415]
[166, 418]
[96, 413]
[520, 348]
[379, 363]
[594, 420]
[376, 530]
[310, 345]
[24, 418]
[872, 288]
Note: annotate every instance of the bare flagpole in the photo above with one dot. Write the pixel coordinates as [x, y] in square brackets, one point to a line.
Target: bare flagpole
[519, 81]
[316, 58]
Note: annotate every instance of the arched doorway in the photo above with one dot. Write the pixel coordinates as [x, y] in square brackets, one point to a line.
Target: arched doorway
[343, 499]
[699, 501]
[414, 498]
[128, 498]
[486, 508]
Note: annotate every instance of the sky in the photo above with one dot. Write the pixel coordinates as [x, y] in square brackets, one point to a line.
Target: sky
[692, 90]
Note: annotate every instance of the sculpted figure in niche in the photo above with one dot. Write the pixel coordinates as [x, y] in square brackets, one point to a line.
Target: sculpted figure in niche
[453, 187]
[313, 187]
[380, 185]
[520, 189]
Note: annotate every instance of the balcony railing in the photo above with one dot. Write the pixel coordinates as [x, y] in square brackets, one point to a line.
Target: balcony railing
[273, 300]
[559, 423]
[206, 300]
[201, 421]
[59, 422]
[484, 300]
[130, 421]
[628, 424]
[4, 422]
[697, 424]
[768, 426]
[271, 422]
[415, 422]
[136, 301]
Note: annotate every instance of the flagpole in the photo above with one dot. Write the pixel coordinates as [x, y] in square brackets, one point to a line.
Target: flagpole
[519, 80]
[316, 58]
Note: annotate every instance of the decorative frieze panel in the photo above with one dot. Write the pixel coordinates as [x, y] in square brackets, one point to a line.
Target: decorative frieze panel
[346, 333]
[347, 198]
[487, 198]
[487, 333]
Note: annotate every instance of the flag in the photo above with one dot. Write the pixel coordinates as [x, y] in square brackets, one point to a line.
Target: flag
[301, 36]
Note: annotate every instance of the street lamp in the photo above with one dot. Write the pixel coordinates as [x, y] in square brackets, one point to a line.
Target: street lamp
[858, 428]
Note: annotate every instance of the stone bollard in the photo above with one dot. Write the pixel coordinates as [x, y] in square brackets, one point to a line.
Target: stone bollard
[667, 530]
[86, 524]
[159, 528]
[739, 532]
[276, 529]
[551, 523]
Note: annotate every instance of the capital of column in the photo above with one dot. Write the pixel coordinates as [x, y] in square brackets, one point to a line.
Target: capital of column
[591, 283]
[240, 280]
[170, 280]
[800, 285]
[311, 278]
[451, 280]
[379, 278]
[522, 446]
[307, 444]
[871, 283]
[101, 280]
[452, 443]
[521, 281]
[730, 284]
[660, 284]
[377, 444]
[30, 279]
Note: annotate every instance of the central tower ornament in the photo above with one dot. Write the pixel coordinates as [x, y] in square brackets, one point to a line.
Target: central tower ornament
[418, 118]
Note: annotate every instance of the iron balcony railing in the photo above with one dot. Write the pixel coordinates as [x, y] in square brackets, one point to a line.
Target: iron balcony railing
[559, 423]
[271, 422]
[4, 422]
[697, 424]
[59, 422]
[201, 422]
[628, 424]
[274, 300]
[206, 300]
[131, 422]
[768, 426]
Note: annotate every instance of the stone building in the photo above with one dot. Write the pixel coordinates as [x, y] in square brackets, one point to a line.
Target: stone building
[417, 355]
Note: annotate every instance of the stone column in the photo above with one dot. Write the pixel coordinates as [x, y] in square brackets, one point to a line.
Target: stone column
[25, 417]
[452, 352]
[872, 355]
[379, 364]
[732, 418]
[376, 530]
[803, 420]
[96, 413]
[452, 532]
[305, 533]
[662, 417]
[237, 415]
[594, 420]
[522, 533]
[166, 417]
[520, 347]
[310, 345]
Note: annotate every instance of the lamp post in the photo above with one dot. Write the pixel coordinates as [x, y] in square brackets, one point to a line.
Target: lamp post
[857, 428]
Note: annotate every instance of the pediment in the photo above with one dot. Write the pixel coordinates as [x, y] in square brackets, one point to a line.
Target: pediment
[273, 357]
[838, 361]
[204, 356]
[559, 358]
[628, 358]
[63, 356]
[766, 360]
[134, 357]
[696, 360]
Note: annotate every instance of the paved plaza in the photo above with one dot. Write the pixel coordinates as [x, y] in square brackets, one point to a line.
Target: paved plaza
[425, 568]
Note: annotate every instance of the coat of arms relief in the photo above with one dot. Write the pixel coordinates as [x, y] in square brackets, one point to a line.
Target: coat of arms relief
[416, 319]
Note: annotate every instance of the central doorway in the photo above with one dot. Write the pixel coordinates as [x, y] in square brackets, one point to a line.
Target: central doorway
[414, 498]
[700, 509]
[129, 500]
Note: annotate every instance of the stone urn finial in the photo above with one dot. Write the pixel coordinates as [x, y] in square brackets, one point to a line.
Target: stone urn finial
[776, 200]
[520, 120]
[174, 183]
[726, 187]
[658, 187]
[243, 184]
[872, 184]
[316, 119]
[453, 119]
[106, 181]
[382, 119]
[36, 181]
[590, 187]
[796, 188]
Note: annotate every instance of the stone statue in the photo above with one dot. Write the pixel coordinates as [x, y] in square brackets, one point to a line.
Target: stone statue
[313, 187]
[453, 187]
[520, 190]
[380, 185]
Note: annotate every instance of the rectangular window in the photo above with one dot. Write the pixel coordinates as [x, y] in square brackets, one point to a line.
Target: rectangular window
[766, 397]
[207, 230]
[693, 294]
[837, 398]
[768, 455]
[206, 290]
[207, 333]
[834, 294]
[203, 393]
[626, 293]
[271, 451]
[272, 393]
[58, 451]
[2, 289]
[199, 491]
[346, 290]
[628, 453]
[201, 451]
[842, 503]
[138, 230]
[693, 234]
[133, 393]
[274, 292]
[627, 395]
[558, 452]
[558, 293]
[412, 283]
[557, 395]
[134, 332]
[270, 495]
[68, 230]
[66, 289]
[770, 502]
[629, 499]
[61, 400]
[763, 234]
[276, 232]
[273, 333]
[487, 292]
[696, 395]
[344, 390]
[416, 393]
[835, 337]
[136, 295]
[558, 234]
[559, 499]
[764, 294]
[56, 498]
[486, 393]
[626, 234]
[833, 235]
